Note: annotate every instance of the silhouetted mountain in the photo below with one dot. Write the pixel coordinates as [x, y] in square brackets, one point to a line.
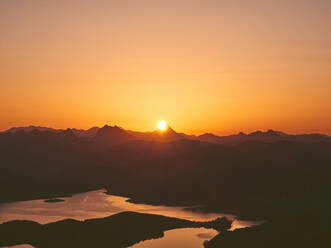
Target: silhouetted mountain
[31, 128]
[300, 230]
[168, 135]
[121, 135]
[269, 136]
[78, 132]
[86, 133]
[68, 132]
[112, 135]
[211, 138]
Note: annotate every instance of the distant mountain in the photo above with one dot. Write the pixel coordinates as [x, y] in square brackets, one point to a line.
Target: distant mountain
[269, 136]
[31, 128]
[68, 132]
[165, 136]
[77, 132]
[86, 133]
[116, 134]
[211, 138]
[113, 134]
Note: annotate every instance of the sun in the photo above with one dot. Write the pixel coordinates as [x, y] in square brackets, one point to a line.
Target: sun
[162, 125]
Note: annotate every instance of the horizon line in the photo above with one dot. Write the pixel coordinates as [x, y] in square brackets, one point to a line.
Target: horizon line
[146, 131]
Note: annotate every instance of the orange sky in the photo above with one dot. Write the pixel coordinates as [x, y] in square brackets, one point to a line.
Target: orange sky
[216, 66]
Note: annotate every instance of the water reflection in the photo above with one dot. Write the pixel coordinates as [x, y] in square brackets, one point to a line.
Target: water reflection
[97, 204]
[191, 237]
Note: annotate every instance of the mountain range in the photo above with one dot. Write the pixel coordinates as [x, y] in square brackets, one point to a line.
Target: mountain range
[115, 134]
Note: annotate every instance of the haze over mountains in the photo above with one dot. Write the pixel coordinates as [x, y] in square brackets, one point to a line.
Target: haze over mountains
[117, 135]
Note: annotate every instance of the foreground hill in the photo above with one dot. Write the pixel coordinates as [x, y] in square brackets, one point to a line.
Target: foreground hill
[302, 231]
[119, 230]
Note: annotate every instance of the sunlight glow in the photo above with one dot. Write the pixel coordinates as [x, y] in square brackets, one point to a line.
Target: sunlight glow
[162, 126]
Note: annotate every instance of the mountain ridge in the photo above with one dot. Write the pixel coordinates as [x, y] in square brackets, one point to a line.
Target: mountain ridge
[119, 134]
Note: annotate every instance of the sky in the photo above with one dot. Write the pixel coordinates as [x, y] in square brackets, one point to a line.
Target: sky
[201, 65]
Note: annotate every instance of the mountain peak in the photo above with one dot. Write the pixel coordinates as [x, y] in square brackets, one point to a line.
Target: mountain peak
[170, 130]
[113, 134]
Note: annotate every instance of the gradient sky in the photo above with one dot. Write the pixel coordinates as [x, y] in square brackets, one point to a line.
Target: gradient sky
[216, 66]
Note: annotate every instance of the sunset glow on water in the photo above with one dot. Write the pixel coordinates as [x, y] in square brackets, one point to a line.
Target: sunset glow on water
[97, 204]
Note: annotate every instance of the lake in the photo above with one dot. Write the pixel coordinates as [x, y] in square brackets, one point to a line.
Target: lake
[97, 204]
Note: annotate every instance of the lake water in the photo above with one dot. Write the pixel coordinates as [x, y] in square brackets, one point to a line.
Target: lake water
[96, 204]
[185, 237]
